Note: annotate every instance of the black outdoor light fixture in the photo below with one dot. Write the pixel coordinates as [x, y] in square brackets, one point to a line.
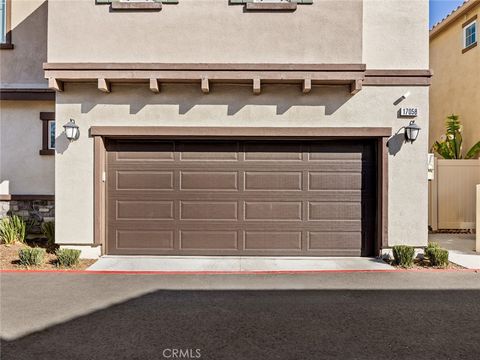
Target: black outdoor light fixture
[411, 131]
[71, 130]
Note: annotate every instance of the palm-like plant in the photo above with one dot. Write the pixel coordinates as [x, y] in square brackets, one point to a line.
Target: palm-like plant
[451, 145]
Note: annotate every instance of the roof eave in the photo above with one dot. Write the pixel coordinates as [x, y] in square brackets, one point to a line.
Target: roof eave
[442, 25]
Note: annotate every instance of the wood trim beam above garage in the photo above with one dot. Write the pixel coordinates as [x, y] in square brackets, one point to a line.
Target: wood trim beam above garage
[305, 75]
[204, 74]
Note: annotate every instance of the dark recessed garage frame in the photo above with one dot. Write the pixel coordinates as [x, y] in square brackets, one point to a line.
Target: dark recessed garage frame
[378, 134]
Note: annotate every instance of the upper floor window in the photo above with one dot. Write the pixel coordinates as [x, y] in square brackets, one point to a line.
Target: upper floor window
[3, 20]
[470, 34]
[5, 33]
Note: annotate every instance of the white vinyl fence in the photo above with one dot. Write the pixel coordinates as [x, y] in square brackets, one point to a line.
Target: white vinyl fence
[452, 194]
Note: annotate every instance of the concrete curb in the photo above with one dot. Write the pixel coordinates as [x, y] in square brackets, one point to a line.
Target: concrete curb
[130, 272]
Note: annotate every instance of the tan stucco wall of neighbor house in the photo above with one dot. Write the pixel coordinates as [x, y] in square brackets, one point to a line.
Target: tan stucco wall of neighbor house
[22, 66]
[456, 82]
[210, 31]
[22, 170]
[277, 106]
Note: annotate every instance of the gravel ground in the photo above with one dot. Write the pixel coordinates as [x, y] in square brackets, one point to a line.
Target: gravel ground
[9, 260]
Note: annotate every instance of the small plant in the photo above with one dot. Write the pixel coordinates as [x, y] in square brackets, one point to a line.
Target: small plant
[31, 256]
[12, 229]
[48, 229]
[430, 247]
[451, 145]
[67, 257]
[437, 256]
[403, 255]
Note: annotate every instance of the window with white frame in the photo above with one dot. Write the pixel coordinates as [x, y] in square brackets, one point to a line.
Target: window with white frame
[51, 134]
[470, 34]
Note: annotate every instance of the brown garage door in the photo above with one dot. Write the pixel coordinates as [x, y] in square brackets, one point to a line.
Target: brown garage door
[296, 198]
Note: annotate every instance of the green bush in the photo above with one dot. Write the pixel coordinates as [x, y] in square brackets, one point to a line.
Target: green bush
[31, 256]
[48, 229]
[67, 257]
[437, 256]
[432, 245]
[403, 255]
[12, 229]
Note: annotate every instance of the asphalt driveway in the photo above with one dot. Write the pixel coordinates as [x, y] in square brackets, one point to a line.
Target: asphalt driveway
[317, 316]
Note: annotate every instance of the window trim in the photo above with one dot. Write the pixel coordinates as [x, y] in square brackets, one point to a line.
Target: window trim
[7, 45]
[465, 26]
[46, 118]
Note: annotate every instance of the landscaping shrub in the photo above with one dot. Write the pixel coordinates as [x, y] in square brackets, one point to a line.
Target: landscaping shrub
[437, 256]
[67, 257]
[430, 247]
[31, 256]
[403, 255]
[48, 229]
[12, 229]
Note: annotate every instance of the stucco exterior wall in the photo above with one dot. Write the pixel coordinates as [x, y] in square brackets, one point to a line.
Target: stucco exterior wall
[226, 105]
[21, 67]
[456, 82]
[22, 170]
[395, 34]
[210, 31]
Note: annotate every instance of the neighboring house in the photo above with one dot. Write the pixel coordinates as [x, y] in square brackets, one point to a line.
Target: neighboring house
[27, 105]
[455, 62]
[237, 128]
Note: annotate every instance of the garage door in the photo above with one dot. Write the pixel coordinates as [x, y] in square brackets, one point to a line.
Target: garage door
[295, 198]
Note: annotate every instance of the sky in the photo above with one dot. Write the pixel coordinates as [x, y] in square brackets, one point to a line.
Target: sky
[441, 8]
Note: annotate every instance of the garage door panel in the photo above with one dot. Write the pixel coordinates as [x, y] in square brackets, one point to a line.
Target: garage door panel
[334, 181]
[240, 197]
[144, 180]
[209, 180]
[334, 211]
[285, 151]
[273, 210]
[208, 151]
[273, 240]
[334, 240]
[144, 210]
[269, 181]
[209, 210]
[134, 151]
[208, 240]
[138, 239]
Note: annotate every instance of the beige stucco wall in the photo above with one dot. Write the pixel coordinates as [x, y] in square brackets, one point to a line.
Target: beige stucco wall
[395, 34]
[277, 106]
[22, 66]
[456, 82]
[328, 31]
[22, 170]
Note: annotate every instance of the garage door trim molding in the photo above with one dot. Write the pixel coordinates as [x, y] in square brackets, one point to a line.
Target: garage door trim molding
[237, 132]
[100, 133]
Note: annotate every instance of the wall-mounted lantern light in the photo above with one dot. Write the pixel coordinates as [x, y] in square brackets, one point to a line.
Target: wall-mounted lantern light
[71, 130]
[411, 131]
